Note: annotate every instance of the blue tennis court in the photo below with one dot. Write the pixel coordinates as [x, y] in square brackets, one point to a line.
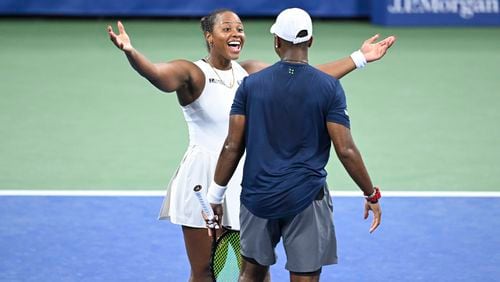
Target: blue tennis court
[118, 238]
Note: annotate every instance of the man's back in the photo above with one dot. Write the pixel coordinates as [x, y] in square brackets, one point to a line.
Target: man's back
[287, 107]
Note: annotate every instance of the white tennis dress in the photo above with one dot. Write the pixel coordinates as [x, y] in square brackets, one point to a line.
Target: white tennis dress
[208, 121]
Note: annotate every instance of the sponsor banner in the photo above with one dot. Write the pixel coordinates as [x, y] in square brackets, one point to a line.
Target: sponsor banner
[184, 8]
[436, 12]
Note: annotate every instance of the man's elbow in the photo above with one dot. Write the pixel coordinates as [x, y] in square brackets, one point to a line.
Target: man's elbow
[234, 147]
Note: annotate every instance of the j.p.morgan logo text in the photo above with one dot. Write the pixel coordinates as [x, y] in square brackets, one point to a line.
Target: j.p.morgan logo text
[465, 8]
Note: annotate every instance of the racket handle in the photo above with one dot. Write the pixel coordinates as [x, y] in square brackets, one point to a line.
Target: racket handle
[205, 205]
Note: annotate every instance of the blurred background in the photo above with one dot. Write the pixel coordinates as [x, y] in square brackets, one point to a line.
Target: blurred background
[75, 115]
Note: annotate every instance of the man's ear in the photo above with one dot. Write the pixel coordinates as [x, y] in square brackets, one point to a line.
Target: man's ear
[309, 44]
[277, 43]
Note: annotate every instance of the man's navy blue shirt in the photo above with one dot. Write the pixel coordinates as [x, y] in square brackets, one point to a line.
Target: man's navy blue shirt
[287, 107]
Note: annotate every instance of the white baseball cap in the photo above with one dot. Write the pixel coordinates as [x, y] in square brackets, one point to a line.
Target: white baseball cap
[290, 22]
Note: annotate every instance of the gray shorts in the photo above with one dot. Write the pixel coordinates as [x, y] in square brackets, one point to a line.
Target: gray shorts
[308, 238]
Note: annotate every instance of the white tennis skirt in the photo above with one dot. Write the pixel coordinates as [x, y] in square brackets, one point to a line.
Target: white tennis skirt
[181, 206]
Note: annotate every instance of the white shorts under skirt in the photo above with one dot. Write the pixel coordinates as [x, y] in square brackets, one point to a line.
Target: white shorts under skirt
[197, 168]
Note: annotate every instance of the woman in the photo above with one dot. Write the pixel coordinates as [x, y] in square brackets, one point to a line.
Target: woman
[205, 90]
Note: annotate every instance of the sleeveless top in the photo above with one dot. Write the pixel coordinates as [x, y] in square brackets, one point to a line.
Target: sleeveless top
[208, 116]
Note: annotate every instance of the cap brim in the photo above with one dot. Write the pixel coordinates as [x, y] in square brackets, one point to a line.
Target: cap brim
[273, 28]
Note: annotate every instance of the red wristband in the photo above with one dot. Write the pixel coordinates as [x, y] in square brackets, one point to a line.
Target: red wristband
[373, 198]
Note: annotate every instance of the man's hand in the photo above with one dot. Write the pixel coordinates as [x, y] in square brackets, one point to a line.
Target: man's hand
[121, 40]
[374, 51]
[218, 211]
[377, 214]
[217, 222]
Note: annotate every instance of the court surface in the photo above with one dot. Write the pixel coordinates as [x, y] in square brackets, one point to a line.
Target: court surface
[88, 238]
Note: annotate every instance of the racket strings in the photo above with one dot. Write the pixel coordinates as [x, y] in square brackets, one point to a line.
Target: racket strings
[226, 259]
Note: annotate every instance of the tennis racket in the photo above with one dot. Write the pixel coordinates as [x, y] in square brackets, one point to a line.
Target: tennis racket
[225, 258]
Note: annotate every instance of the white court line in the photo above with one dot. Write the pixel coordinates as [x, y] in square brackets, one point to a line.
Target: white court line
[84, 193]
[154, 193]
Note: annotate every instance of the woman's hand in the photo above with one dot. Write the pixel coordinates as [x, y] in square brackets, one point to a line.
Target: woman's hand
[121, 40]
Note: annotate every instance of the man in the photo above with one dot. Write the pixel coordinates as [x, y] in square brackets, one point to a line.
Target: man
[285, 116]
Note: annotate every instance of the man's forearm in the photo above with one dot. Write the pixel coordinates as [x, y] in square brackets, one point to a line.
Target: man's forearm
[353, 163]
[229, 158]
[234, 147]
[226, 165]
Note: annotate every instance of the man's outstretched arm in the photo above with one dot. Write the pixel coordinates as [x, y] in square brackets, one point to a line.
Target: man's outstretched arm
[370, 51]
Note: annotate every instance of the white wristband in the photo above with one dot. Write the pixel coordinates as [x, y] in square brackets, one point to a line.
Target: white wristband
[215, 194]
[358, 59]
